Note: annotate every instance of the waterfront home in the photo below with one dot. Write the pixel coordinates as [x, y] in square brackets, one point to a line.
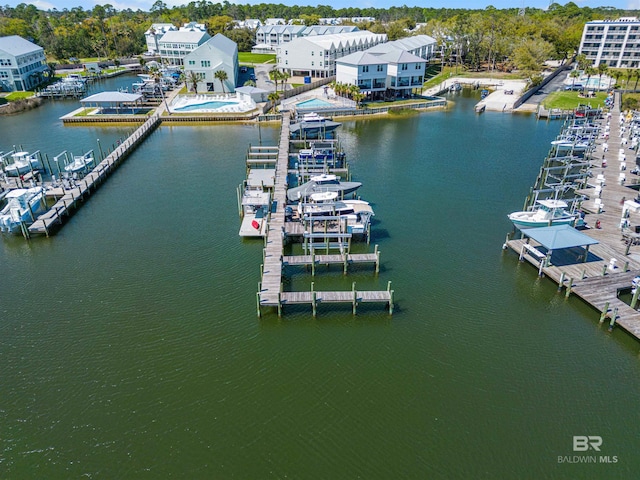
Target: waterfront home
[22, 64]
[422, 46]
[396, 71]
[268, 37]
[217, 53]
[316, 55]
[175, 45]
[155, 33]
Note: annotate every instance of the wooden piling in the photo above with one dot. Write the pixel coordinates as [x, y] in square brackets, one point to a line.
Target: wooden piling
[605, 310]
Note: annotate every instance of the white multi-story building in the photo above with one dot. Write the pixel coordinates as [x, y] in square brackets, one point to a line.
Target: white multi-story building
[155, 33]
[268, 37]
[217, 53]
[316, 55]
[175, 45]
[22, 64]
[613, 42]
[393, 70]
[422, 46]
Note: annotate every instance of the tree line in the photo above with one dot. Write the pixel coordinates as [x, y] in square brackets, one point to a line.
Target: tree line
[474, 39]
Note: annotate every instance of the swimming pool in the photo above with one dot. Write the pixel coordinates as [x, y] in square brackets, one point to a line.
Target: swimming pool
[214, 105]
[314, 103]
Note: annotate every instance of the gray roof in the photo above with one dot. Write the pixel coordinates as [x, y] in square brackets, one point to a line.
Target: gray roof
[112, 97]
[249, 89]
[559, 237]
[361, 58]
[400, 56]
[195, 36]
[404, 44]
[15, 45]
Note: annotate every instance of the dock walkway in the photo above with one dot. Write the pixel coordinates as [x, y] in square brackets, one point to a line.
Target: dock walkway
[615, 260]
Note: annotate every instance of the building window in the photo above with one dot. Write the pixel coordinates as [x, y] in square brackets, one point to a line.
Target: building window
[418, 66]
[405, 66]
[312, 53]
[4, 74]
[380, 68]
[365, 68]
[205, 63]
[312, 64]
[192, 62]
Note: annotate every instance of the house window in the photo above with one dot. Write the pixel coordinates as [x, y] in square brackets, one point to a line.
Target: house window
[205, 63]
[405, 66]
[312, 53]
[365, 68]
[418, 66]
[4, 74]
[192, 62]
[379, 68]
[286, 62]
[286, 52]
[312, 64]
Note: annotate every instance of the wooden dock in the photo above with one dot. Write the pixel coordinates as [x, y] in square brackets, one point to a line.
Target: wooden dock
[270, 292]
[615, 260]
[71, 198]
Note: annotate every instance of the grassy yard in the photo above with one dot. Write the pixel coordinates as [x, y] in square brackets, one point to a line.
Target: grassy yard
[13, 96]
[435, 77]
[248, 57]
[568, 100]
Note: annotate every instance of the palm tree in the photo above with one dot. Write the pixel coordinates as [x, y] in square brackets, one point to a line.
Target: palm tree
[284, 76]
[192, 78]
[589, 71]
[582, 61]
[628, 74]
[273, 97]
[616, 74]
[222, 76]
[156, 75]
[574, 74]
[358, 97]
[249, 83]
[275, 76]
[602, 69]
[636, 74]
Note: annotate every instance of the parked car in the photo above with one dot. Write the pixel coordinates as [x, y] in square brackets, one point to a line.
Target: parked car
[575, 87]
[243, 69]
[508, 92]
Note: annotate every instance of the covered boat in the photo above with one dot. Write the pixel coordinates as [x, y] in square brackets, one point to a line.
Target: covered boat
[356, 213]
[312, 125]
[23, 206]
[547, 213]
[322, 183]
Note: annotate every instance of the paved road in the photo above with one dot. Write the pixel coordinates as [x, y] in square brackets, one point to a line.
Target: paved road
[555, 85]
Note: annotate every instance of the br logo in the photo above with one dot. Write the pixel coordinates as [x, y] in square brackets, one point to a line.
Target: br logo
[583, 443]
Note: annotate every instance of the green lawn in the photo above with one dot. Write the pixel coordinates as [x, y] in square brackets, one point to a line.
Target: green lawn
[13, 96]
[568, 100]
[248, 57]
[449, 72]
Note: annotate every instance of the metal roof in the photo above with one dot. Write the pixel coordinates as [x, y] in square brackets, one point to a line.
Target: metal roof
[15, 45]
[112, 97]
[558, 237]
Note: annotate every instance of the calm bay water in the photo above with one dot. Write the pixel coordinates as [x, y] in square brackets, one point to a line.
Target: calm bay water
[130, 347]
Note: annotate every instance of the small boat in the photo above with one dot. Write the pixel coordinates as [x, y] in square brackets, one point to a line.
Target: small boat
[356, 213]
[548, 213]
[23, 162]
[322, 183]
[456, 87]
[80, 163]
[312, 125]
[484, 94]
[573, 143]
[23, 207]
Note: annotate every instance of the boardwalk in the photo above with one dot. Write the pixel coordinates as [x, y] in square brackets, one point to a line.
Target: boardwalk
[615, 261]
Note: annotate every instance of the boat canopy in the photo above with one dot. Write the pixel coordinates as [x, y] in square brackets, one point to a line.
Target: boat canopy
[551, 204]
[558, 237]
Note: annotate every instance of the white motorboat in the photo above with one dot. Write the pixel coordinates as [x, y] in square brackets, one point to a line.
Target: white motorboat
[322, 183]
[547, 213]
[23, 162]
[23, 207]
[312, 125]
[356, 213]
[80, 163]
